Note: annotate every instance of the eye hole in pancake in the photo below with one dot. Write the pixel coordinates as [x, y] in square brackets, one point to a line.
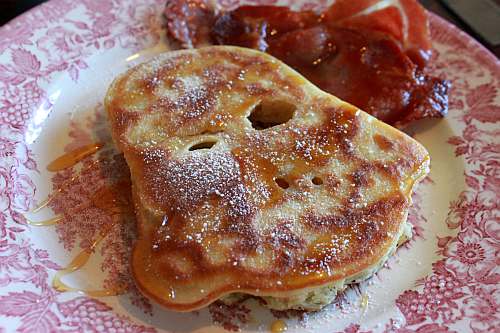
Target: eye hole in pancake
[203, 145]
[282, 183]
[268, 114]
[317, 181]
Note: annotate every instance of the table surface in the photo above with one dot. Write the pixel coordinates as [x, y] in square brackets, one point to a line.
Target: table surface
[12, 8]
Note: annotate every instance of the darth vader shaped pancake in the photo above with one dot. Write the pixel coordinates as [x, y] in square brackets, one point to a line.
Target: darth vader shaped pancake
[248, 179]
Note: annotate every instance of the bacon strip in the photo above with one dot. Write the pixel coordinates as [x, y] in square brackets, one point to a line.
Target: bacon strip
[372, 53]
[189, 21]
[405, 20]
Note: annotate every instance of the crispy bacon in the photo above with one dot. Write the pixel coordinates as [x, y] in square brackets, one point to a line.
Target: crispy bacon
[189, 21]
[372, 53]
[405, 20]
[252, 27]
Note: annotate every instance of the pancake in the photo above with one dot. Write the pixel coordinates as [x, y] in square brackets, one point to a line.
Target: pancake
[248, 179]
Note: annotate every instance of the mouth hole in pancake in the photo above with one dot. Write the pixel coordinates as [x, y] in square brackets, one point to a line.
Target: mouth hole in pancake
[268, 114]
[317, 181]
[282, 183]
[203, 145]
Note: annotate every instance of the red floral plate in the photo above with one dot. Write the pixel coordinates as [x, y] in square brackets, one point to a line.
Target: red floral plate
[58, 262]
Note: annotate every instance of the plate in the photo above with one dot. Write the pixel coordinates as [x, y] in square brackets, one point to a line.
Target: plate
[65, 238]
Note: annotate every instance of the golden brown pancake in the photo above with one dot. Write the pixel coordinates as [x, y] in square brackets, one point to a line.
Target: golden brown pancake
[249, 179]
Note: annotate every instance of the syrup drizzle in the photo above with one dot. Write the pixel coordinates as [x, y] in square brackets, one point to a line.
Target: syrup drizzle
[78, 262]
[64, 185]
[71, 158]
[46, 201]
[56, 219]
[364, 301]
[109, 198]
[278, 326]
